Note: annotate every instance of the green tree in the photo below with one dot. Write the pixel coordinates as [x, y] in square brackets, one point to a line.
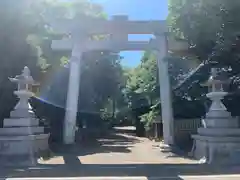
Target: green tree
[143, 81]
[15, 51]
[142, 88]
[45, 12]
[101, 74]
[212, 31]
[100, 83]
[25, 39]
[210, 27]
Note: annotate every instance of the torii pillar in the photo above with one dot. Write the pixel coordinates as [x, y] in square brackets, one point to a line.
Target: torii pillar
[165, 91]
[163, 44]
[72, 95]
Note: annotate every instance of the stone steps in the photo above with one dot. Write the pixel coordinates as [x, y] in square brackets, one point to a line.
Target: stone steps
[11, 131]
[22, 137]
[20, 122]
[219, 132]
[221, 122]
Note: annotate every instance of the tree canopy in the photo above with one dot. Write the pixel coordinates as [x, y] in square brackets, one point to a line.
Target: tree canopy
[210, 27]
[212, 31]
[25, 39]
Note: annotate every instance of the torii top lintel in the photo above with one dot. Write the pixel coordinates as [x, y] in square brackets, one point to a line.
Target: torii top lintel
[120, 24]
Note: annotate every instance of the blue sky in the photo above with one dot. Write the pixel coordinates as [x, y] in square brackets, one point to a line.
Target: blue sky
[136, 10]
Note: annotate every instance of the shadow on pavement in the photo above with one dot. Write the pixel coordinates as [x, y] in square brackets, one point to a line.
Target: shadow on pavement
[110, 143]
[113, 142]
[98, 170]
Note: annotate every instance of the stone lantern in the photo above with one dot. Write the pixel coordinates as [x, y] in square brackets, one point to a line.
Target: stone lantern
[24, 83]
[219, 140]
[216, 93]
[21, 138]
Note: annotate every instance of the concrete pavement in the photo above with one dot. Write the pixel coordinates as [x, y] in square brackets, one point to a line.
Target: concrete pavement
[208, 177]
[117, 148]
[118, 156]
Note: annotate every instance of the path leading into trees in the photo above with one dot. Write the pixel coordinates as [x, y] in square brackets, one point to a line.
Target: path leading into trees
[119, 155]
[118, 147]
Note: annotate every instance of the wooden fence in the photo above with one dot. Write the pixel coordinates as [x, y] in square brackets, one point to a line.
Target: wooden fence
[183, 129]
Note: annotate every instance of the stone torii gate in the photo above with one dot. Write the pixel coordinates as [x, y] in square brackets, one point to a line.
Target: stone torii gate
[80, 29]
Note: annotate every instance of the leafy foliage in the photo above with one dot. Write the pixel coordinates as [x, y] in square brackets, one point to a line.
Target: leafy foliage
[149, 118]
[100, 82]
[212, 31]
[15, 51]
[142, 82]
[142, 88]
[25, 39]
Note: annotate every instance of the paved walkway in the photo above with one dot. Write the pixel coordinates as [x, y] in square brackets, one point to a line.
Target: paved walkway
[118, 156]
[210, 177]
[117, 148]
